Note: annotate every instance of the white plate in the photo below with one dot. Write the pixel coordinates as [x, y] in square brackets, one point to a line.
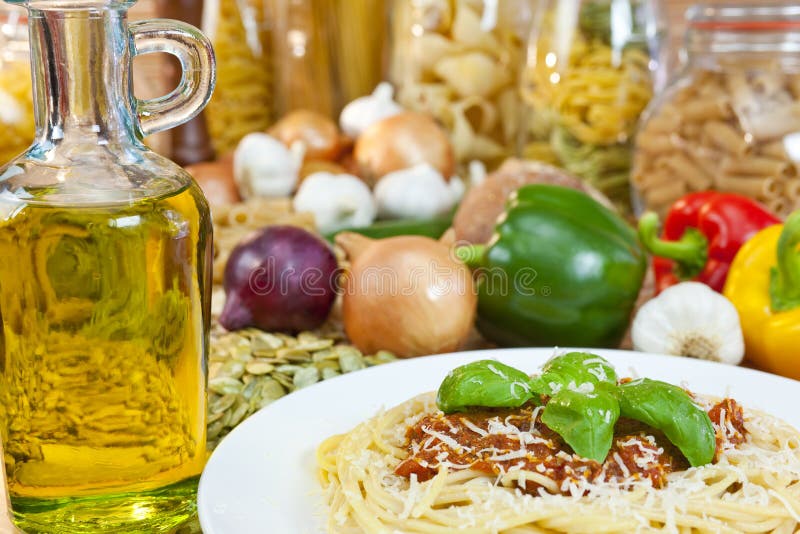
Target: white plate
[262, 478]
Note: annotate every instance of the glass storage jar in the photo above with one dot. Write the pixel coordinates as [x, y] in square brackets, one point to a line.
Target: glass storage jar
[327, 52]
[592, 68]
[16, 103]
[459, 61]
[105, 274]
[244, 94]
[731, 119]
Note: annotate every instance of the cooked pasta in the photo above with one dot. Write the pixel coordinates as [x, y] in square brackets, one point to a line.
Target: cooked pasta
[753, 487]
[726, 130]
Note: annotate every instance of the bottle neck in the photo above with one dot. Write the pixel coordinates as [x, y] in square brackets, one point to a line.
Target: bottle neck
[81, 77]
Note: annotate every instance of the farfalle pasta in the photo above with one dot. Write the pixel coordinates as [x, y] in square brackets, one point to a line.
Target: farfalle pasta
[735, 129]
[459, 61]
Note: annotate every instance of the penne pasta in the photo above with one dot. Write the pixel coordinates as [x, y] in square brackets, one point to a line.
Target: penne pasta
[665, 194]
[778, 205]
[725, 137]
[652, 179]
[654, 143]
[726, 130]
[694, 175]
[706, 109]
[792, 192]
[666, 123]
[757, 166]
[775, 149]
[745, 185]
[774, 188]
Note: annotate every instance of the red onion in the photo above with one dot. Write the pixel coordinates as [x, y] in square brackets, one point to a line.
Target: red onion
[281, 278]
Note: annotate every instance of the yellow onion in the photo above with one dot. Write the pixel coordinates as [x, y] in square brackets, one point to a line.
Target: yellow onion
[313, 167]
[215, 178]
[403, 141]
[408, 295]
[318, 133]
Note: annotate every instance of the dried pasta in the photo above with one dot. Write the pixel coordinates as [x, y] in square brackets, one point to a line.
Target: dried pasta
[459, 61]
[329, 52]
[16, 119]
[242, 98]
[728, 130]
[232, 223]
[585, 97]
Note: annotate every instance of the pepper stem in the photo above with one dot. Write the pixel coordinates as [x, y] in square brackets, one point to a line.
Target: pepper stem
[690, 252]
[471, 255]
[785, 277]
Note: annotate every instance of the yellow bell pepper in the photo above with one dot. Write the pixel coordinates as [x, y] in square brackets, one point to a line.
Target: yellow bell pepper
[764, 285]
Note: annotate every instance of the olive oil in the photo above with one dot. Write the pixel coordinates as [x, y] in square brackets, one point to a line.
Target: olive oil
[103, 322]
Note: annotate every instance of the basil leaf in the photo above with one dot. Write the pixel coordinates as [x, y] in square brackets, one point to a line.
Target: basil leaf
[485, 383]
[671, 410]
[576, 368]
[585, 420]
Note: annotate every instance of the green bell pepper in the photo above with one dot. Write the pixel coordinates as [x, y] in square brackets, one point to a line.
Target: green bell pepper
[560, 270]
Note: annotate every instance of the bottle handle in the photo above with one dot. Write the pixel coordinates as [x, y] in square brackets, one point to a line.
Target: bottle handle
[198, 72]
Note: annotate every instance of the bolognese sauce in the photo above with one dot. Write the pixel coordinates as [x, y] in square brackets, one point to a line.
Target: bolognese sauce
[503, 441]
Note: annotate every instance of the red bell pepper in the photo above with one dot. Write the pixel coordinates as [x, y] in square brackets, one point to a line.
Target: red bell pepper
[702, 234]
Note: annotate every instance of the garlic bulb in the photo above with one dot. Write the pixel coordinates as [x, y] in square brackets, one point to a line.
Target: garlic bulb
[363, 112]
[420, 192]
[263, 166]
[337, 201]
[690, 319]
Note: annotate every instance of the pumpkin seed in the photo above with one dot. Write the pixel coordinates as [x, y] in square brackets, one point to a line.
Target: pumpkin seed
[250, 369]
[265, 341]
[294, 354]
[306, 376]
[329, 373]
[225, 385]
[259, 367]
[351, 360]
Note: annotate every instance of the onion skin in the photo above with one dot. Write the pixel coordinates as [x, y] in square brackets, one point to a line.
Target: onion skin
[319, 134]
[215, 178]
[407, 294]
[403, 141]
[281, 278]
[313, 167]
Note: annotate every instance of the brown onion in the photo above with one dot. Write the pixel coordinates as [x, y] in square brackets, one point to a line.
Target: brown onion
[403, 141]
[215, 178]
[319, 133]
[407, 294]
[312, 167]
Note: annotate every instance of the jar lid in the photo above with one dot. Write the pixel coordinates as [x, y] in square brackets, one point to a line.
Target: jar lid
[744, 18]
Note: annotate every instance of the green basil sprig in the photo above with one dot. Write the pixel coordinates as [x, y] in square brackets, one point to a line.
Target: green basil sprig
[585, 403]
[486, 383]
[671, 410]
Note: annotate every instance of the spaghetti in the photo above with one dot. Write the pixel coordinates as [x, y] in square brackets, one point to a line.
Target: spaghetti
[753, 486]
